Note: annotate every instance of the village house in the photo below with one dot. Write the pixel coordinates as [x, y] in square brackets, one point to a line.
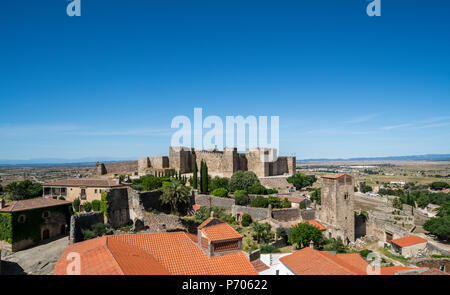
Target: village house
[409, 246]
[27, 222]
[86, 189]
[168, 253]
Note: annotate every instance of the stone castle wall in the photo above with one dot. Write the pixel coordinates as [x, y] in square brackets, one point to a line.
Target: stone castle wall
[83, 221]
[117, 167]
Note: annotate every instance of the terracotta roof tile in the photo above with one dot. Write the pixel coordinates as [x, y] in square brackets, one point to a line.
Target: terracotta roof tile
[88, 182]
[391, 270]
[259, 265]
[409, 241]
[158, 253]
[308, 261]
[220, 232]
[30, 204]
[316, 224]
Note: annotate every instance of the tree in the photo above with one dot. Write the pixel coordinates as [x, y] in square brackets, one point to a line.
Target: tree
[194, 176]
[150, 182]
[174, 194]
[287, 204]
[246, 220]
[23, 190]
[301, 180]
[76, 204]
[444, 210]
[263, 232]
[218, 182]
[333, 245]
[440, 227]
[303, 233]
[204, 177]
[241, 199]
[220, 192]
[316, 195]
[96, 205]
[243, 180]
[87, 207]
[259, 202]
[366, 189]
[439, 185]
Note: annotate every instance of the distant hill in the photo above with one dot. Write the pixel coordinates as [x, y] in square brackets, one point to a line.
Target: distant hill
[429, 157]
[46, 162]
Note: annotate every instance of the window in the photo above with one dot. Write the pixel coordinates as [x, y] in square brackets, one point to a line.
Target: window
[83, 194]
[22, 219]
[46, 214]
[345, 196]
[95, 191]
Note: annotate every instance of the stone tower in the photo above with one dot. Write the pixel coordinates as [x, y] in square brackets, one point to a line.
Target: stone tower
[337, 206]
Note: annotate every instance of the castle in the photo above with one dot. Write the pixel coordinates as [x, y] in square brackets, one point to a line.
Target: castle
[262, 161]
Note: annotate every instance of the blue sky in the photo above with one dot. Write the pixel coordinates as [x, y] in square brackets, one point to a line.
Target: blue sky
[108, 83]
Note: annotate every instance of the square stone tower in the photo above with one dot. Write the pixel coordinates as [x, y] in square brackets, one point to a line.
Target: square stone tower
[337, 206]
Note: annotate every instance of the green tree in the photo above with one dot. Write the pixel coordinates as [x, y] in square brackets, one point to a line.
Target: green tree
[23, 190]
[246, 220]
[259, 202]
[287, 204]
[76, 204]
[303, 233]
[439, 226]
[444, 210]
[220, 192]
[439, 185]
[243, 180]
[218, 182]
[96, 205]
[195, 176]
[204, 179]
[263, 232]
[241, 199]
[301, 180]
[316, 195]
[87, 207]
[174, 194]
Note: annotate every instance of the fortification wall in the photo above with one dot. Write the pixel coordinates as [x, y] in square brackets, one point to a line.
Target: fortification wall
[117, 167]
[286, 214]
[83, 221]
[119, 213]
[209, 201]
[257, 214]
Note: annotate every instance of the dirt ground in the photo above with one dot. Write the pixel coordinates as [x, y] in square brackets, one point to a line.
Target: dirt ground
[37, 260]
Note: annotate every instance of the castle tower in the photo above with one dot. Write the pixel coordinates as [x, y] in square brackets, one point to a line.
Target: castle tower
[337, 206]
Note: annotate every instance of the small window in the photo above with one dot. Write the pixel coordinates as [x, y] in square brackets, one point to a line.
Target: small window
[345, 196]
[22, 219]
[95, 191]
[46, 214]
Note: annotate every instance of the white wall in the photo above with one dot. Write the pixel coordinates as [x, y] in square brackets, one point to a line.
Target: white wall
[272, 260]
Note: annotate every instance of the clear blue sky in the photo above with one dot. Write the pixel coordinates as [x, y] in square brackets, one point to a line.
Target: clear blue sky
[108, 83]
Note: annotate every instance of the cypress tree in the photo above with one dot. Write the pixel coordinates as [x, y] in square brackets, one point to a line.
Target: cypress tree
[194, 176]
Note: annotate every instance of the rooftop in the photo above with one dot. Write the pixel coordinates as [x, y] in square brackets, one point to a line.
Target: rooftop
[334, 175]
[308, 261]
[316, 224]
[172, 253]
[409, 241]
[88, 182]
[220, 232]
[31, 204]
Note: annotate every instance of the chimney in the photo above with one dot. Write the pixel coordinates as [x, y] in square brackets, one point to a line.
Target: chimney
[311, 244]
[212, 214]
[2, 203]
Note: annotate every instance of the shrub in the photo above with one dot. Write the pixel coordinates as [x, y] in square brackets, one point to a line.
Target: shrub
[76, 204]
[220, 192]
[303, 233]
[96, 205]
[266, 248]
[287, 204]
[243, 180]
[61, 198]
[87, 207]
[274, 201]
[99, 229]
[364, 253]
[240, 191]
[150, 182]
[218, 182]
[241, 199]
[439, 226]
[259, 202]
[301, 180]
[257, 189]
[246, 220]
[88, 234]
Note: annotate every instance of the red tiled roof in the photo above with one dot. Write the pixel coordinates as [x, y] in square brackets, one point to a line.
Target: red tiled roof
[334, 175]
[447, 190]
[31, 204]
[309, 261]
[433, 272]
[409, 241]
[220, 232]
[293, 199]
[316, 224]
[391, 270]
[355, 260]
[88, 182]
[173, 252]
[259, 265]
